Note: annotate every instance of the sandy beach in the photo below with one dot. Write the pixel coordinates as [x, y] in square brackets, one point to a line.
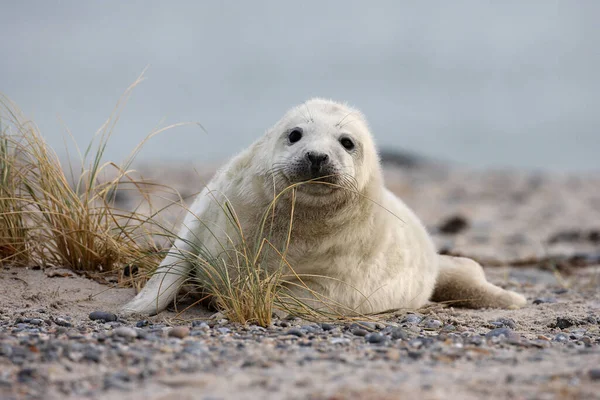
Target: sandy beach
[536, 233]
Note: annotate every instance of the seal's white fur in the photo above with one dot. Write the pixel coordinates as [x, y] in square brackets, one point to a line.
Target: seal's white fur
[371, 250]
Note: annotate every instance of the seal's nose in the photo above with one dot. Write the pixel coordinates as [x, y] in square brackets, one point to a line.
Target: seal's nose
[317, 160]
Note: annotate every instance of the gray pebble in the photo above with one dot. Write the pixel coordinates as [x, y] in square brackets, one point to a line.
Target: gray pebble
[544, 300]
[203, 326]
[411, 319]
[62, 322]
[126, 332]
[504, 322]
[498, 332]
[142, 323]
[327, 327]
[363, 325]
[399, 333]
[36, 321]
[223, 330]
[375, 337]
[594, 374]
[359, 332]
[295, 332]
[433, 324]
[561, 338]
[102, 316]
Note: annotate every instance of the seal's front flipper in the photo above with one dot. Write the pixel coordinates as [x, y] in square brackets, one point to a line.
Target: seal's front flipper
[461, 282]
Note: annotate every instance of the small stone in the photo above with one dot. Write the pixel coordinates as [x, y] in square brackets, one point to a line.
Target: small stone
[564, 323]
[62, 322]
[448, 328]
[433, 324]
[36, 321]
[359, 332]
[498, 332]
[453, 225]
[411, 319]
[102, 316]
[375, 337]
[126, 332]
[339, 340]
[201, 325]
[560, 291]
[544, 300]
[594, 374]
[92, 355]
[504, 323]
[587, 341]
[399, 333]
[180, 332]
[327, 327]
[296, 332]
[363, 325]
[223, 330]
[142, 323]
[561, 338]
[393, 355]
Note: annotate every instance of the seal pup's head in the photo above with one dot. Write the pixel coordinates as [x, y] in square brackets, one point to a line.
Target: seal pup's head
[326, 149]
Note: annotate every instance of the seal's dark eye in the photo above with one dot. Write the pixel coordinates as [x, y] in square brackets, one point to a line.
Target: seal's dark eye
[347, 143]
[295, 135]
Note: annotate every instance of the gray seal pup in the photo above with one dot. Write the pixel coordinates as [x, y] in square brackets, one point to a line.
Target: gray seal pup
[358, 245]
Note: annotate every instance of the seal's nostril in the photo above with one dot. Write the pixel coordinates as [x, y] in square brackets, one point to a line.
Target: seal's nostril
[317, 159]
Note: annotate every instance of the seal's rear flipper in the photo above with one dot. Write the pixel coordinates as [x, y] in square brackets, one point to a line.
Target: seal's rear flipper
[461, 282]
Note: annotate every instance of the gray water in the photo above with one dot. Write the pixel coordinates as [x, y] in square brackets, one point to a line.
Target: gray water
[487, 84]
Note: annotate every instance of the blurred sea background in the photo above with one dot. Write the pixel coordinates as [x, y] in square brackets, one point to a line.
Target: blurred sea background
[510, 84]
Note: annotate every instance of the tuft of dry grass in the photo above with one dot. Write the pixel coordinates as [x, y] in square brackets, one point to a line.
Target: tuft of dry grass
[14, 247]
[73, 222]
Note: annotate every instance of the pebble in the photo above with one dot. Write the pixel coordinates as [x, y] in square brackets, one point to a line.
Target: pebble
[433, 324]
[363, 325]
[62, 322]
[327, 327]
[142, 323]
[126, 332]
[223, 330]
[296, 332]
[561, 338]
[504, 322]
[102, 316]
[203, 326]
[375, 337]
[509, 334]
[399, 333]
[564, 322]
[411, 319]
[594, 374]
[359, 332]
[544, 300]
[180, 332]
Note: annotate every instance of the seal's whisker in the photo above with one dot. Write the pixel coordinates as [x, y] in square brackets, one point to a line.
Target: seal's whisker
[309, 113]
[349, 122]
[342, 120]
